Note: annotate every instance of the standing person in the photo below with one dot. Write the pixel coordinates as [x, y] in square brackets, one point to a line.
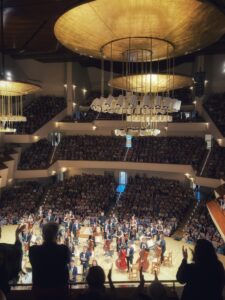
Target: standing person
[72, 272]
[162, 245]
[205, 277]
[84, 259]
[50, 266]
[130, 257]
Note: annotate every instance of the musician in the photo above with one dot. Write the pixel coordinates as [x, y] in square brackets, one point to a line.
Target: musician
[162, 245]
[106, 229]
[102, 220]
[119, 239]
[50, 217]
[151, 243]
[91, 243]
[153, 230]
[107, 243]
[72, 272]
[75, 227]
[84, 259]
[130, 257]
[143, 244]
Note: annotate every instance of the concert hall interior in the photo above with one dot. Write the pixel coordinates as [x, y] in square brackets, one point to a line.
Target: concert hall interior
[112, 149]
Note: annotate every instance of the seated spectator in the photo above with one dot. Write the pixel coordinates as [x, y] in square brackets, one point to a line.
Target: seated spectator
[38, 112]
[20, 201]
[205, 277]
[215, 106]
[215, 166]
[37, 156]
[201, 226]
[49, 266]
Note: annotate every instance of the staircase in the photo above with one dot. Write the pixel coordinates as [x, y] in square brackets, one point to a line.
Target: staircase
[178, 234]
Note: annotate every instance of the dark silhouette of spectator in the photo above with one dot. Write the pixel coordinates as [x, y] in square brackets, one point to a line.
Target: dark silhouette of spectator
[50, 266]
[2, 296]
[205, 277]
[96, 288]
[10, 261]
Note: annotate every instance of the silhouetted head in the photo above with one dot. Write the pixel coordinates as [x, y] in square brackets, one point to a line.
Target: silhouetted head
[204, 252]
[157, 291]
[50, 232]
[2, 296]
[95, 277]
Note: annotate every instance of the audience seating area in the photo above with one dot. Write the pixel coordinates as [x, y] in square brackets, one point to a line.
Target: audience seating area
[84, 195]
[215, 106]
[155, 200]
[200, 226]
[19, 201]
[39, 112]
[37, 156]
[98, 148]
[215, 166]
[170, 150]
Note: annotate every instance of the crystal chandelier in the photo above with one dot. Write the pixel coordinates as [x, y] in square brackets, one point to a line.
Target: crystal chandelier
[11, 93]
[146, 97]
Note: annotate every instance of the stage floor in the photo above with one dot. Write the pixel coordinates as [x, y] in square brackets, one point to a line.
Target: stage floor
[166, 273]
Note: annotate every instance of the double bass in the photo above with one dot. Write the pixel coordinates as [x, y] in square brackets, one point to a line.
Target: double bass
[121, 262]
[142, 261]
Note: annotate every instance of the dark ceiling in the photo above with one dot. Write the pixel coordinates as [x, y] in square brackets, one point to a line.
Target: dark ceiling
[29, 31]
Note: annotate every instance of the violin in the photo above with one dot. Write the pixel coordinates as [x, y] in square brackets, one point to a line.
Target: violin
[142, 261]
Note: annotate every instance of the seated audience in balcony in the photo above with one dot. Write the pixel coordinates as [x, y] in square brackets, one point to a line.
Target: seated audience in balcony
[215, 166]
[49, 263]
[37, 156]
[165, 150]
[215, 106]
[205, 277]
[40, 111]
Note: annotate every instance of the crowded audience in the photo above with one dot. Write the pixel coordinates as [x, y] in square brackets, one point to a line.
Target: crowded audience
[84, 195]
[37, 156]
[215, 166]
[201, 226]
[20, 201]
[38, 112]
[168, 150]
[215, 106]
[98, 148]
[155, 201]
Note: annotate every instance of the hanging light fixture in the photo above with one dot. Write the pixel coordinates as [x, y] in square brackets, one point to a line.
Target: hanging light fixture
[11, 92]
[132, 32]
[146, 98]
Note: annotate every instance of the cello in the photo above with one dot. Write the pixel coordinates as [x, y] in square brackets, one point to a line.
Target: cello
[142, 261]
[121, 261]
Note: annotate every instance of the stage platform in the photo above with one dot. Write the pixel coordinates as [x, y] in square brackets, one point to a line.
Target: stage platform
[166, 272]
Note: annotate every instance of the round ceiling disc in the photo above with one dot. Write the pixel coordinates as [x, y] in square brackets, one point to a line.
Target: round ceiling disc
[17, 88]
[188, 25]
[144, 83]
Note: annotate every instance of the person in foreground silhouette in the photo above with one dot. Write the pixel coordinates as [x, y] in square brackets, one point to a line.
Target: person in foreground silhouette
[205, 277]
[96, 289]
[156, 290]
[50, 266]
